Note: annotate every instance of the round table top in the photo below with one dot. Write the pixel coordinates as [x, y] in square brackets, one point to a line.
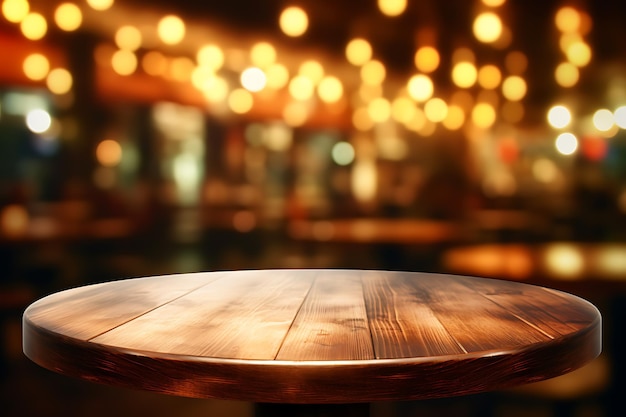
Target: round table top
[312, 336]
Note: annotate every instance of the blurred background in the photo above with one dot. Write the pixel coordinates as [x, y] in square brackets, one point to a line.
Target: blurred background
[479, 137]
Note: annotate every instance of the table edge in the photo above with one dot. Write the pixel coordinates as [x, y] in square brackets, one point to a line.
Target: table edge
[304, 381]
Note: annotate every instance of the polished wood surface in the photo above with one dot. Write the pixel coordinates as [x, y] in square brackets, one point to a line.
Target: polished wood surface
[312, 336]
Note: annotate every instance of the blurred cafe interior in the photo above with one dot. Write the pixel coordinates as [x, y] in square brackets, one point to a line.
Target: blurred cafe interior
[478, 137]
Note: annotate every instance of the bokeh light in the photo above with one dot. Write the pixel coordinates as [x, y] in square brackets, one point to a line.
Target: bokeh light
[216, 90]
[603, 120]
[493, 3]
[464, 74]
[392, 7]
[210, 56]
[566, 74]
[36, 67]
[567, 19]
[171, 29]
[514, 88]
[358, 51]
[14, 220]
[564, 261]
[373, 72]
[253, 79]
[68, 17]
[361, 119]
[109, 153]
[403, 109]
[611, 260]
[455, 118]
[15, 10]
[594, 148]
[34, 26]
[619, 116]
[301, 87]
[244, 221]
[487, 27]
[128, 37]
[201, 77]
[59, 81]
[38, 120]
[379, 110]
[100, 4]
[293, 21]
[295, 113]
[277, 76]
[240, 101]
[566, 143]
[124, 62]
[427, 59]
[263, 54]
[578, 53]
[559, 116]
[545, 170]
[330, 89]
[436, 110]
[313, 70]
[483, 115]
[343, 153]
[420, 87]
[489, 77]
[364, 180]
[418, 122]
[154, 63]
[180, 69]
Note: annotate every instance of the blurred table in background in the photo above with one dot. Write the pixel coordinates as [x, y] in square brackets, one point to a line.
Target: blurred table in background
[401, 244]
[558, 262]
[505, 224]
[375, 230]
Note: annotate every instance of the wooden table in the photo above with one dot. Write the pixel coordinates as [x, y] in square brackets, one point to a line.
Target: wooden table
[304, 337]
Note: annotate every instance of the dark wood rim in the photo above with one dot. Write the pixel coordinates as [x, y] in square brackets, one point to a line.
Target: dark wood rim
[311, 381]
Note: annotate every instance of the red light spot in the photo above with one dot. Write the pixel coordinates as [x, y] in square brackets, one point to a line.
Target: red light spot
[508, 150]
[594, 148]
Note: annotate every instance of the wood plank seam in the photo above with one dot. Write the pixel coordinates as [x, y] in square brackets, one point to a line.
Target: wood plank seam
[153, 309]
[282, 342]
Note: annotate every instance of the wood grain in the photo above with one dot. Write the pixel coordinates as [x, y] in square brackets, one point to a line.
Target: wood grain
[332, 324]
[312, 336]
[219, 320]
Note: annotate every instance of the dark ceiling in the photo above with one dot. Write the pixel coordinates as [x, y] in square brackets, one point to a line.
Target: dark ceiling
[334, 22]
[394, 40]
